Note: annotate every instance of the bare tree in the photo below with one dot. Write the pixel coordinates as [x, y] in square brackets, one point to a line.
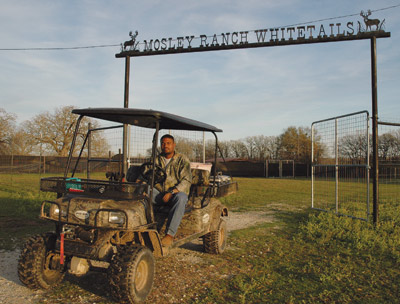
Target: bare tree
[396, 134]
[250, 146]
[210, 149]
[353, 148]
[7, 127]
[388, 146]
[224, 148]
[99, 144]
[265, 147]
[237, 149]
[21, 143]
[54, 131]
[273, 144]
[185, 146]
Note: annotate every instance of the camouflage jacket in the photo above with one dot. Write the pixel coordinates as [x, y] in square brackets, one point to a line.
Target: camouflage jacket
[178, 171]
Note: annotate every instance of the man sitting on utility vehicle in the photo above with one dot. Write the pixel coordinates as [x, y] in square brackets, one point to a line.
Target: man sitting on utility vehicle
[175, 189]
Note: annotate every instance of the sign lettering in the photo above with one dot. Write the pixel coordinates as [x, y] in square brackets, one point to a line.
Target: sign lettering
[246, 39]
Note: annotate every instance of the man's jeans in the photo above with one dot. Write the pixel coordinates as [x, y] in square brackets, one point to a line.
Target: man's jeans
[177, 203]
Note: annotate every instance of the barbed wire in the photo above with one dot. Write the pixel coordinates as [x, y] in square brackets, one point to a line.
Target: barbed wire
[119, 44]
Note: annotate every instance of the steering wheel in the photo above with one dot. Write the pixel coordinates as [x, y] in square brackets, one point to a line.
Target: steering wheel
[146, 170]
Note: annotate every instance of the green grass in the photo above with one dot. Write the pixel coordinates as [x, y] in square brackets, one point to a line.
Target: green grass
[309, 256]
[259, 193]
[20, 202]
[304, 256]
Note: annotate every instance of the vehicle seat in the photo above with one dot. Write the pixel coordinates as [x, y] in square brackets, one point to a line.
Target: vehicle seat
[200, 177]
[200, 173]
[200, 182]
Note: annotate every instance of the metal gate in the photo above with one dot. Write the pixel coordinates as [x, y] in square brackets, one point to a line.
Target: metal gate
[340, 165]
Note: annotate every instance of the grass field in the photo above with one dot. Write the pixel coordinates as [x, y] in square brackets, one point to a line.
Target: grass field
[304, 256]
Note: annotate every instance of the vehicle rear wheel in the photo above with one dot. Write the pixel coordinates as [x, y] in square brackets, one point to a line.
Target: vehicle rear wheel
[215, 241]
[39, 265]
[131, 274]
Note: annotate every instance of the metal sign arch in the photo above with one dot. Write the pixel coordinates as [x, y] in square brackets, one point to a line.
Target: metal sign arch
[281, 36]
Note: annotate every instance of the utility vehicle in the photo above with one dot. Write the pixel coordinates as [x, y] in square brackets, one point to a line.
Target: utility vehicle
[112, 225]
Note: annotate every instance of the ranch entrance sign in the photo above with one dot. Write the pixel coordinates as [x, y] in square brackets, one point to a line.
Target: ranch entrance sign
[279, 36]
[305, 34]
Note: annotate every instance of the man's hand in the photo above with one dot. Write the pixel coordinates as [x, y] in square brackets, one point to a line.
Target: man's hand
[167, 196]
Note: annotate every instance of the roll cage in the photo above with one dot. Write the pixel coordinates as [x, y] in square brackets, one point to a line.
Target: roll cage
[151, 119]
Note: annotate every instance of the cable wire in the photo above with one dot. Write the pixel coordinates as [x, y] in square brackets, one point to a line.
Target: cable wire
[114, 45]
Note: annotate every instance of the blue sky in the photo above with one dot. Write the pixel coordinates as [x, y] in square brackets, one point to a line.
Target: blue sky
[244, 92]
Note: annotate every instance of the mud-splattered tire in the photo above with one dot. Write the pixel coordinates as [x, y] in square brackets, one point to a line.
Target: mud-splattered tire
[215, 241]
[37, 265]
[131, 274]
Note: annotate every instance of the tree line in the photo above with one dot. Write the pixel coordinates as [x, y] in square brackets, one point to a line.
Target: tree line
[293, 144]
[51, 133]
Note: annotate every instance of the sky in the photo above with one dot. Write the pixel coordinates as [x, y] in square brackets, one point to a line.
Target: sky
[245, 92]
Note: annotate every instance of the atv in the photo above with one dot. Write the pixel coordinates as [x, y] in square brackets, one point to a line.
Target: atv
[112, 225]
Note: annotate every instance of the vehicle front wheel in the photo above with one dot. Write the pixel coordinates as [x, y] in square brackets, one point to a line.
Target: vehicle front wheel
[215, 241]
[39, 265]
[131, 274]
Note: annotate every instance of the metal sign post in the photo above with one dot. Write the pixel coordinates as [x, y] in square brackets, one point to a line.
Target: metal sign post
[375, 162]
[126, 105]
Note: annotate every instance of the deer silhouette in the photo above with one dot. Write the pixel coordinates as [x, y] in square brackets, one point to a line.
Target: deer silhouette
[369, 22]
[131, 43]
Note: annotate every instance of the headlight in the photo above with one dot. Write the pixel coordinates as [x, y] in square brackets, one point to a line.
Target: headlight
[55, 212]
[116, 217]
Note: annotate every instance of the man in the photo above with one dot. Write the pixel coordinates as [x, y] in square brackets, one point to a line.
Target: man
[175, 189]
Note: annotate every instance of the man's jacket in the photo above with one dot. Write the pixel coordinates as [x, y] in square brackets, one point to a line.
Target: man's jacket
[178, 171]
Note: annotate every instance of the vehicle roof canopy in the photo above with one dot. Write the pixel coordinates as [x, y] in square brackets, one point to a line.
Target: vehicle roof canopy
[146, 118]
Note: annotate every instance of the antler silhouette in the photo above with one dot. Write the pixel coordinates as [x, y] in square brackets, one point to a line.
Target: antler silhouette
[369, 22]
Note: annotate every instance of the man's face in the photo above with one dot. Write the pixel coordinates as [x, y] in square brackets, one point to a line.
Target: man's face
[167, 146]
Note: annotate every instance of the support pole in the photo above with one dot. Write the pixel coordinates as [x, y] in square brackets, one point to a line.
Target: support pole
[204, 147]
[126, 105]
[89, 147]
[336, 167]
[375, 164]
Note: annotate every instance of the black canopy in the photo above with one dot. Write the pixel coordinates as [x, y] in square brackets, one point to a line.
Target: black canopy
[146, 118]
